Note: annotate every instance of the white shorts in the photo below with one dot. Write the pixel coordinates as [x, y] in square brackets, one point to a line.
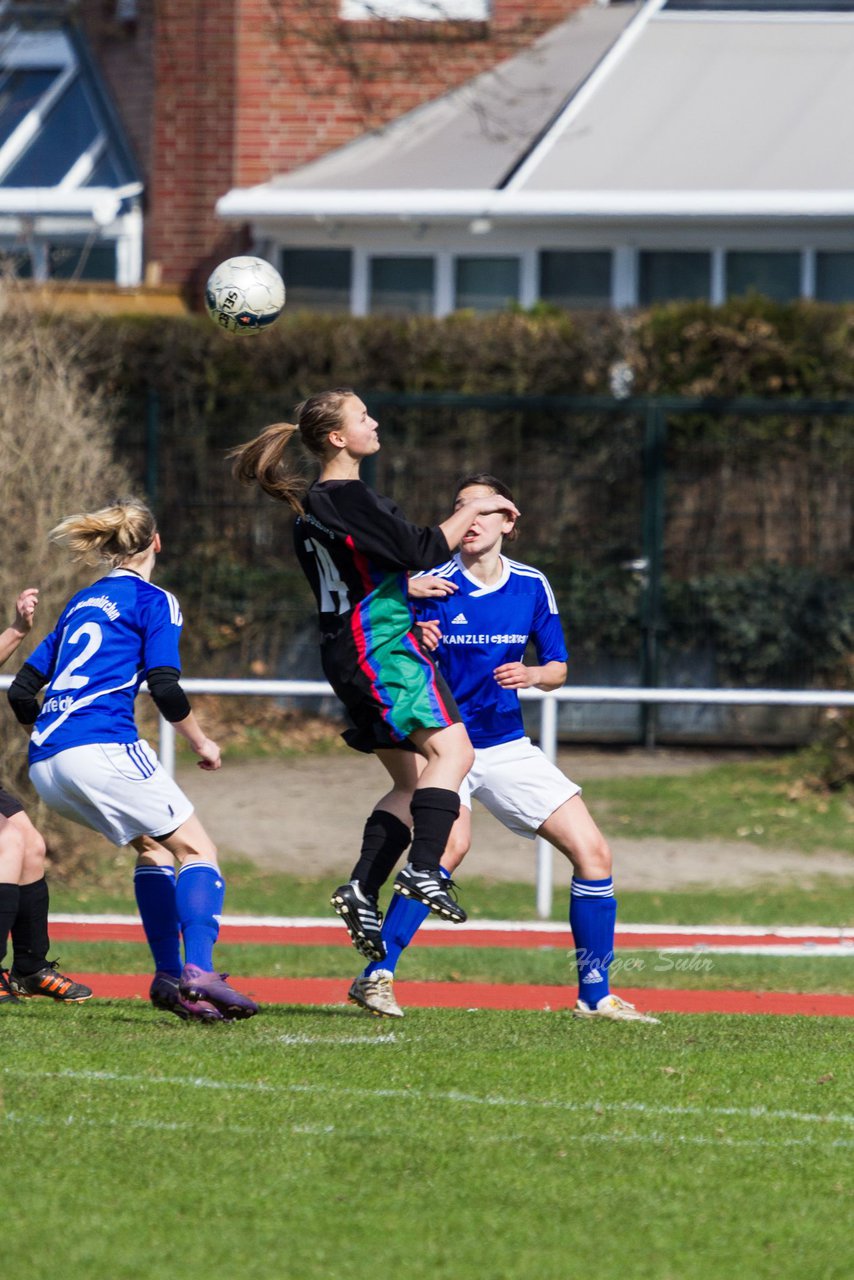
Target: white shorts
[518, 784]
[118, 788]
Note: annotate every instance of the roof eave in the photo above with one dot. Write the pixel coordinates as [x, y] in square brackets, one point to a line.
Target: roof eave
[265, 203]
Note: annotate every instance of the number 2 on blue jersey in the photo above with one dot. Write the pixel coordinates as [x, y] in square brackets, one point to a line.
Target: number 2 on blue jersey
[92, 633]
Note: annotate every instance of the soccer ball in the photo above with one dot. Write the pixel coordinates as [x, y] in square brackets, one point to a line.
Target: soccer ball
[244, 295]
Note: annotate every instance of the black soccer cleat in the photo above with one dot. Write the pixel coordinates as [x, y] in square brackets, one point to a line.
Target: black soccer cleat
[7, 995]
[363, 919]
[51, 983]
[432, 889]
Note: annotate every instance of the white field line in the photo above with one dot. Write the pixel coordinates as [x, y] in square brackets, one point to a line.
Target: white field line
[390, 1038]
[327, 1130]
[501, 926]
[803, 950]
[840, 941]
[451, 1096]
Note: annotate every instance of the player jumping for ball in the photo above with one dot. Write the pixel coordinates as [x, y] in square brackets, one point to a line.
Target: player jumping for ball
[482, 608]
[88, 763]
[355, 549]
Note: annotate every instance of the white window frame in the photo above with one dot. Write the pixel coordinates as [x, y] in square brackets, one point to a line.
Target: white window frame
[419, 10]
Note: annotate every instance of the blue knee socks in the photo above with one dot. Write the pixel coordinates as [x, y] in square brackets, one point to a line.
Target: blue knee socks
[199, 895]
[592, 916]
[154, 888]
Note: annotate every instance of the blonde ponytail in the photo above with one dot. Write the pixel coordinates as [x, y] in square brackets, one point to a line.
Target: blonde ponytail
[111, 535]
[261, 461]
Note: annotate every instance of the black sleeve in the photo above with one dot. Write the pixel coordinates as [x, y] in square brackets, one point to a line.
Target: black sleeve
[381, 532]
[169, 698]
[22, 693]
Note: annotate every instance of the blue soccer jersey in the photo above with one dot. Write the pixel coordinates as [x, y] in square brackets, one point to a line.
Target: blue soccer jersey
[484, 627]
[108, 637]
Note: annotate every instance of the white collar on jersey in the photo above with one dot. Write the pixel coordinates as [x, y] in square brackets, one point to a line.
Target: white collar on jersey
[120, 569]
[484, 588]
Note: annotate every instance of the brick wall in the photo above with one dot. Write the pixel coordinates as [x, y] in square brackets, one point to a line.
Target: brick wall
[224, 93]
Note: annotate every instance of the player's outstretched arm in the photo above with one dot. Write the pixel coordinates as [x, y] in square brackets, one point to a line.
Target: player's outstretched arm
[205, 748]
[25, 608]
[427, 586]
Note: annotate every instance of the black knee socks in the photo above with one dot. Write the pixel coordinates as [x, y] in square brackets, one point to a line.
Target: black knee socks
[384, 840]
[434, 812]
[30, 941]
[10, 895]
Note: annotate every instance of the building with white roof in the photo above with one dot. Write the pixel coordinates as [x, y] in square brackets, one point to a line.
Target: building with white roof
[635, 154]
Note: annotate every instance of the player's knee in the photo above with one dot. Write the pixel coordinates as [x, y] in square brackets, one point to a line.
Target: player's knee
[599, 858]
[467, 757]
[12, 851]
[455, 850]
[35, 851]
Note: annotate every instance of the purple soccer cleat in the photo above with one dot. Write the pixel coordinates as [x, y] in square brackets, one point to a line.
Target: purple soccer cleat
[198, 985]
[164, 994]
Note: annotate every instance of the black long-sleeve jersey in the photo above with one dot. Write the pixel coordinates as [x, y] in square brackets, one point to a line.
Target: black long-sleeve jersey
[355, 548]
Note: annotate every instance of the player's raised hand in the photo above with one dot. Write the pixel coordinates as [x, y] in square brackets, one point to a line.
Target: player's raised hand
[428, 586]
[25, 608]
[489, 504]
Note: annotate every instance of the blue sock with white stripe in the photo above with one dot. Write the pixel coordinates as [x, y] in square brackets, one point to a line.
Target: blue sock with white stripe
[592, 917]
[199, 895]
[402, 921]
[154, 889]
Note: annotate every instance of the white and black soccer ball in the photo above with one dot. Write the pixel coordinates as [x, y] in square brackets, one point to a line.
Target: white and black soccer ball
[244, 295]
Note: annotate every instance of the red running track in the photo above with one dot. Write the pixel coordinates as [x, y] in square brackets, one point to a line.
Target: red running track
[485, 995]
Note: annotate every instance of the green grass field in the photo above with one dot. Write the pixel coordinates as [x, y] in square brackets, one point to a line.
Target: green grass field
[315, 1144]
[319, 1144]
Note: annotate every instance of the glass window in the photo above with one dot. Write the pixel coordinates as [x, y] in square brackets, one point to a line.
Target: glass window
[575, 279]
[673, 277]
[69, 129]
[82, 262]
[104, 174]
[775, 275]
[317, 279]
[486, 284]
[402, 285]
[834, 277]
[19, 93]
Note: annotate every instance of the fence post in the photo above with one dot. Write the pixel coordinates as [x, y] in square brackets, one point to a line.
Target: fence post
[152, 444]
[166, 749]
[655, 433]
[545, 852]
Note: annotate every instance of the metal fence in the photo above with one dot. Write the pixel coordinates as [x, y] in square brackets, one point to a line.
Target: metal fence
[689, 541]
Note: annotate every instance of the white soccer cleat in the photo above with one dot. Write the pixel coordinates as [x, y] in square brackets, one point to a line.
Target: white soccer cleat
[375, 992]
[614, 1009]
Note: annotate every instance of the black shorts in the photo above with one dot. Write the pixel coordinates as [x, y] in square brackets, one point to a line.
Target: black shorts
[9, 806]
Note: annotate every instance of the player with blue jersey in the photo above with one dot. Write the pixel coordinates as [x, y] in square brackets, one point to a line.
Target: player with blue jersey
[482, 610]
[88, 762]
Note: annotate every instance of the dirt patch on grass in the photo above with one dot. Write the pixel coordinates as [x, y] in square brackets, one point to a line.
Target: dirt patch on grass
[303, 815]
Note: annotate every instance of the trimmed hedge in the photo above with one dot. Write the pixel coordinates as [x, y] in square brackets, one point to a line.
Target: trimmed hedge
[770, 608]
